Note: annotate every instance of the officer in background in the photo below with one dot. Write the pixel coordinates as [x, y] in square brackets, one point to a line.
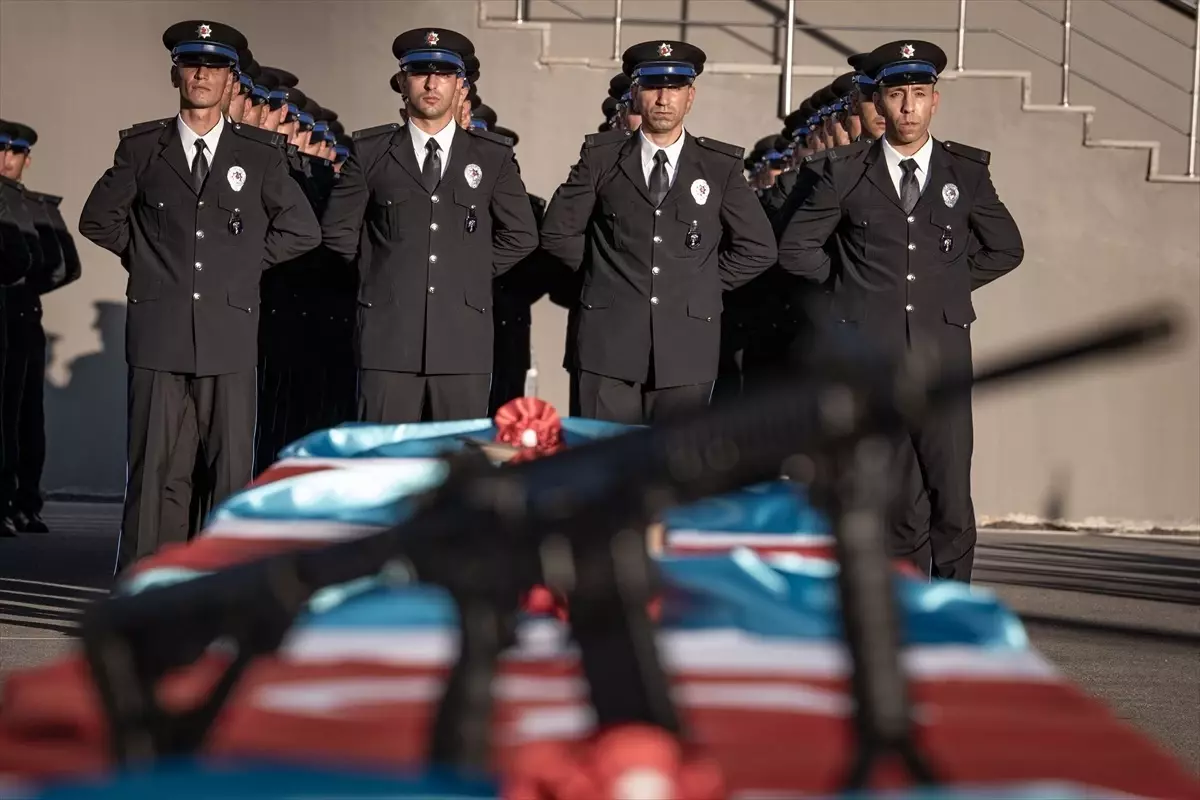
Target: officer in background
[195, 207]
[900, 214]
[25, 357]
[661, 222]
[444, 211]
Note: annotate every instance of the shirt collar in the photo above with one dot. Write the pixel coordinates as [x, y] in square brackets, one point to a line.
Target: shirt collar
[189, 136]
[444, 137]
[922, 156]
[649, 148]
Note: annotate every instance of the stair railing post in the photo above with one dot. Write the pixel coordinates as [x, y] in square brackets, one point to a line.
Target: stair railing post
[617, 4]
[789, 55]
[521, 11]
[1191, 170]
[1066, 62]
[962, 33]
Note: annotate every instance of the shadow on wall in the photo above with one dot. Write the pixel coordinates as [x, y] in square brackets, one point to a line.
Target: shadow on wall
[85, 418]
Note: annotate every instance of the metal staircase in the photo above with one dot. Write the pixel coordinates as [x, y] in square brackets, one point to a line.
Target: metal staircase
[1135, 70]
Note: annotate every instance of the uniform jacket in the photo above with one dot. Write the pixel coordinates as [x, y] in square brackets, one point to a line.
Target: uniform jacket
[646, 294]
[193, 282]
[18, 235]
[426, 260]
[897, 275]
[59, 263]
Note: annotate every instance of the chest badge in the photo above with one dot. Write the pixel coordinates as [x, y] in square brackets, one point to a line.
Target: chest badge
[474, 174]
[700, 191]
[236, 177]
[949, 195]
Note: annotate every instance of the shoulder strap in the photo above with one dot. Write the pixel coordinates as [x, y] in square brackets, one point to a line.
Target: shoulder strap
[146, 127]
[491, 136]
[378, 130]
[260, 135]
[608, 137]
[724, 148]
[963, 151]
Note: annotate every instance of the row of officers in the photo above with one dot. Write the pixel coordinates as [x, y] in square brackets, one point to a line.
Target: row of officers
[654, 234]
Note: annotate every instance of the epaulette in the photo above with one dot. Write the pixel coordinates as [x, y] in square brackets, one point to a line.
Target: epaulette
[378, 130]
[722, 147]
[48, 199]
[260, 135]
[962, 150]
[608, 137]
[835, 153]
[491, 136]
[146, 127]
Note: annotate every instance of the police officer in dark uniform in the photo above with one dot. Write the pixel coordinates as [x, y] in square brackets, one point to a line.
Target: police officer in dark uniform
[25, 358]
[195, 207]
[661, 222]
[900, 271]
[433, 212]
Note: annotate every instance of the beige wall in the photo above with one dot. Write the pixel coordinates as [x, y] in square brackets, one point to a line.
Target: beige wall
[1121, 442]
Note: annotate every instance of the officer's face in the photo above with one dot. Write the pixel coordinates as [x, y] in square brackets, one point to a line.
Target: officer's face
[873, 123]
[432, 95]
[238, 104]
[908, 111]
[663, 108]
[13, 164]
[202, 86]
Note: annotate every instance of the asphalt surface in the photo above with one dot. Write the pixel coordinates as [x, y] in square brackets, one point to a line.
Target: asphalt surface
[1119, 615]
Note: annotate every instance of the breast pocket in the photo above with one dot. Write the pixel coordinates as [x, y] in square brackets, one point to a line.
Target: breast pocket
[237, 218]
[386, 210]
[474, 222]
[695, 232]
[611, 214]
[152, 214]
[950, 230]
[859, 232]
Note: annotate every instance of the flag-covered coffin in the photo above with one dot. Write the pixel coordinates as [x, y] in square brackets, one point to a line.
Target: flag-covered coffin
[751, 640]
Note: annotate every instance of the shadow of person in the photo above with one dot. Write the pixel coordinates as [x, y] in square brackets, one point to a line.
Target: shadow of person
[85, 418]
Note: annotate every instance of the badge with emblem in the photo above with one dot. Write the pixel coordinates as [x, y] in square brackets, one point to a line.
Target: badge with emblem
[664, 50]
[474, 174]
[949, 195]
[700, 191]
[204, 31]
[431, 38]
[236, 177]
[908, 51]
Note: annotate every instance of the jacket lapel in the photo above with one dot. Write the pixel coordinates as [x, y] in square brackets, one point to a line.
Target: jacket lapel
[402, 151]
[877, 173]
[686, 171]
[171, 151]
[631, 165]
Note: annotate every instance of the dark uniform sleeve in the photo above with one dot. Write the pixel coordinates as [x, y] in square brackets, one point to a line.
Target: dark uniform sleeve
[1000, 249]
[52, 254]
[15, 258]
[71, 266]
[564, 229]
[814, 221]
[748, 246]
[105, 217]
[294, 228]
[343, 217]
[514, 228]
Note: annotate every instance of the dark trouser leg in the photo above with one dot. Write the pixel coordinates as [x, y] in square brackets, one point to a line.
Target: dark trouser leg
[510, 360]
[610, 399]
[185, 486]
[32, 426]
[6, 527]
[731, 363]
[226, 407]
[157, 402]
[661, 404]
[573, 409]
[15, 358]
[909, 523]
[390, 397]
[454, 397]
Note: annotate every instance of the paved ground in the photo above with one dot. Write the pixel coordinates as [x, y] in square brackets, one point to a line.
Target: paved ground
[1120, 616]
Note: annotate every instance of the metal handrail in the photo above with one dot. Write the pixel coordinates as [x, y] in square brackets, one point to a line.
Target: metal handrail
[1154, 28]
[787, 20]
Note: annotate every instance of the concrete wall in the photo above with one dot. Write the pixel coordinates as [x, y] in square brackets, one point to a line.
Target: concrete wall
[1123, 442]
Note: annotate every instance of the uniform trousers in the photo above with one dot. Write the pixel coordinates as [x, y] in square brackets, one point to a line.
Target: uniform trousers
[633, 403]
[510, 360]
[23, 414]
[172, 416]
[386, 397]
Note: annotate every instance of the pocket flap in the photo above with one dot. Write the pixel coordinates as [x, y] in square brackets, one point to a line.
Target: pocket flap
[960, 315]
[704, 307]
[371, 294]
[478, 297]
[244, 299]
[468, 198]
[141, 290]
[229, 200]
[591, 297]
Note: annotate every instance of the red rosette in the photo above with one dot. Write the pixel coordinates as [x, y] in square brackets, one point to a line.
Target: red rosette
[530, 424]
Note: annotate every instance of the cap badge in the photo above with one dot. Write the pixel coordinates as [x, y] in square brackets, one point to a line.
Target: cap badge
[949, 195]
[474, 174]
[204, 31]
[236, 177]
[700, 191]
[908, 51]
[664, 50]
[431, 38]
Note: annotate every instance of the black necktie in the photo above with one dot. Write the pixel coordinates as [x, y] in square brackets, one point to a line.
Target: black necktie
[658, 178]
[431, 173]
[199, 167]
[910, 190]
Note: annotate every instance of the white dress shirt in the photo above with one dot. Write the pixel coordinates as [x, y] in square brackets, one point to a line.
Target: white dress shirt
[189, 138]
[649, 148]
[444, 138]
[894, 158]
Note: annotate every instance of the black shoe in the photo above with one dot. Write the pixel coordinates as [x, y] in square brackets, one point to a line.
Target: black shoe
[30, 522]
[7, 529]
